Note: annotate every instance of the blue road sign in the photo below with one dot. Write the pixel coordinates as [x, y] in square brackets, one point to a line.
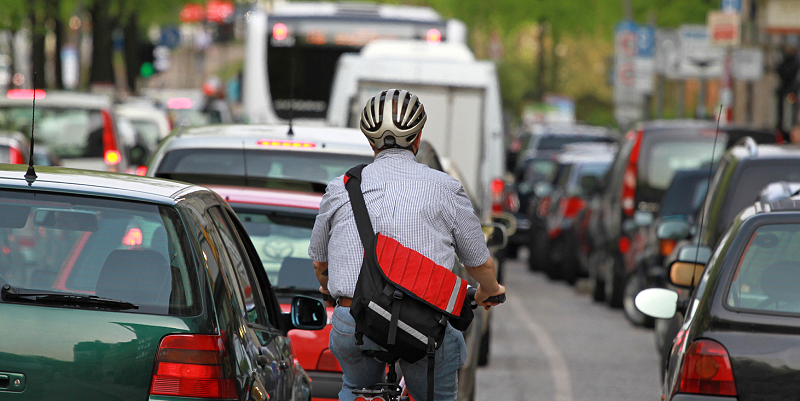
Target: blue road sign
[731, 5]
[625, 25]
[170, 36]
[645, 42]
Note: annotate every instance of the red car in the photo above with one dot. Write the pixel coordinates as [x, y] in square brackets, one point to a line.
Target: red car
[279, 223]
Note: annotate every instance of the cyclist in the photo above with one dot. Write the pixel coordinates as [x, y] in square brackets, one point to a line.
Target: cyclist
[425, 210]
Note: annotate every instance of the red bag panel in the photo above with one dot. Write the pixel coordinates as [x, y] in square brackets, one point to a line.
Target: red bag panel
[413, 272]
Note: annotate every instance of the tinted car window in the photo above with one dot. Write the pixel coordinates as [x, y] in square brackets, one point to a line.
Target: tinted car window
[281, 239]
[253, 309]
[540, 170]
[752, 180]
[85, 129]
[768, 276]
[128, 251]
[229, 163]
[686, 193]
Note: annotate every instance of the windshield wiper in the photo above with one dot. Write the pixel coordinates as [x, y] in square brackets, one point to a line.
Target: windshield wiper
[8, 293]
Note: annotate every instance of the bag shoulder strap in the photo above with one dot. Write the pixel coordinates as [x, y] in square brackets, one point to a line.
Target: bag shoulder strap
[352, 182]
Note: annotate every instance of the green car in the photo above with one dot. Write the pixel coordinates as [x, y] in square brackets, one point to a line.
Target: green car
[118, 287]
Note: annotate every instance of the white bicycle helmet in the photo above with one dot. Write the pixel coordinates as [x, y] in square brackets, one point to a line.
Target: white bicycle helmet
[407, 118]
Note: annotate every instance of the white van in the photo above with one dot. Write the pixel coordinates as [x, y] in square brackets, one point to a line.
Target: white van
[461, 97]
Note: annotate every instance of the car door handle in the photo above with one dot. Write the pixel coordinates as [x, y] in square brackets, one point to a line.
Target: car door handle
[262, 360]
[282, 365]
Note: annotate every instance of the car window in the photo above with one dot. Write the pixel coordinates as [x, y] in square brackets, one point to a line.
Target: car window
[128, 251]
[768, 275]
[241, 269]
[281, 239]
[752, 180]
[593, 169]
[286, 165]
[540, 170]
[85, 129]
[665, 158]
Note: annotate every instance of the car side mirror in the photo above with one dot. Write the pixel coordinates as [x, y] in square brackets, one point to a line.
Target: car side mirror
[659, 303]
[672, 229]
[498, 237]
[685, 274]
[308, 313]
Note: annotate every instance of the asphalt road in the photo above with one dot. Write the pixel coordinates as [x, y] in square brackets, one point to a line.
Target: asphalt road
[550, 341]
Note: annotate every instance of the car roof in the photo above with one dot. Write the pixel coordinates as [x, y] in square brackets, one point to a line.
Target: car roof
[765, 151]
[232, 136]
[573, 129]
[265, 196]
[61, 99]
[125, 186]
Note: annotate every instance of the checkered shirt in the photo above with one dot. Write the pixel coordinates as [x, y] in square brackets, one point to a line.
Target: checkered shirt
[424, 209]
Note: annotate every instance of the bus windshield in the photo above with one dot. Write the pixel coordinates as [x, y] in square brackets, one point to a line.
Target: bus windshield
[302, 52]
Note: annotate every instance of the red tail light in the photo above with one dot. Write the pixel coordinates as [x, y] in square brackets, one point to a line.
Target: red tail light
[778, 137]
[624, 244]
[497, 194]
[16, 156]
[707, 370]
[570, 207]
[110, 150]
[328, 363]
[628, 200]
[141, 170]
[544, 204]
[192, 366]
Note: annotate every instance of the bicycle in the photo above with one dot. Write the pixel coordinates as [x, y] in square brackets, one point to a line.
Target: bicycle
[391, 389]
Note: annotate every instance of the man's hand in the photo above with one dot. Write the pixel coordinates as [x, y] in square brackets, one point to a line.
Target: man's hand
[326, 296]
[481, 295]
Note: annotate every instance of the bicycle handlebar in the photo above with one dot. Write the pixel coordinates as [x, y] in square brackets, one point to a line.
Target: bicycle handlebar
[495, 299]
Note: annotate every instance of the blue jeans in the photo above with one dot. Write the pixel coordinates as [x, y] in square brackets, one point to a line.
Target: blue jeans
[360, 372]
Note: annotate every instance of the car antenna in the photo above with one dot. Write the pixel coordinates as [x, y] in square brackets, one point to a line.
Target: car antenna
[703, 215]
[30, 175]
[291, 95]
[244, 159]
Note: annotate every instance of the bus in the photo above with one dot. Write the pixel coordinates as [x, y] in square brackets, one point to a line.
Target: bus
[291, 51]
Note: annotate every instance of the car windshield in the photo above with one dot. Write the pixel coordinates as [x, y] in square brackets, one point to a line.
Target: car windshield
[768, 275]
[85, 129]
[127, 251]
[281, 238]
[287, 165]
[540, 170]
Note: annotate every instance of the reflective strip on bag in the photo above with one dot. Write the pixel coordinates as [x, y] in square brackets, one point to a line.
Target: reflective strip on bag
[400, 324]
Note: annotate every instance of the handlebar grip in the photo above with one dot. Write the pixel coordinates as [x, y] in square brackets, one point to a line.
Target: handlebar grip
[497, 299]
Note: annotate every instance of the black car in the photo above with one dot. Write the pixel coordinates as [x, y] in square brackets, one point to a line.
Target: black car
[558, 250]
[741, 334]
[651, 244]
[128, 288]
[745, 170]
[535, 164]
[638, 179]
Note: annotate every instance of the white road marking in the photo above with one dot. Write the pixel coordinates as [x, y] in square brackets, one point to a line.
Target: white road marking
[562, 382]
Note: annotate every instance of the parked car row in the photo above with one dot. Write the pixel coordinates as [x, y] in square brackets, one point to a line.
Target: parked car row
[671, 234]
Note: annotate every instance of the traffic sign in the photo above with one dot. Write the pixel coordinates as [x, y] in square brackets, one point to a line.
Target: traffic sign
[645, 41]
[748, 64]
[724, 27]
[731, 5]
[697, 58]
[668, 46]
[170, 36]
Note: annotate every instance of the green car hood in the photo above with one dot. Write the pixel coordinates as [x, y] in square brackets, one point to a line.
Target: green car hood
[77, 354]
